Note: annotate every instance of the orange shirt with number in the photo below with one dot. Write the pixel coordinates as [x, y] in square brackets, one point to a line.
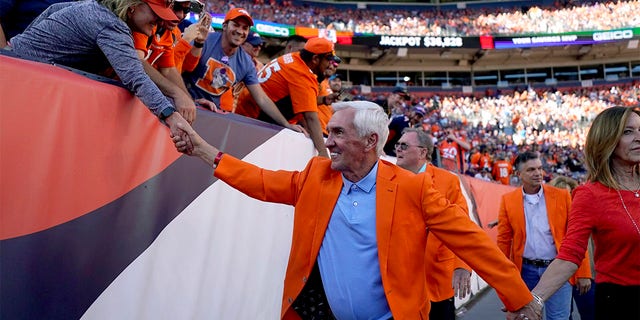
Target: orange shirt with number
[289, 83]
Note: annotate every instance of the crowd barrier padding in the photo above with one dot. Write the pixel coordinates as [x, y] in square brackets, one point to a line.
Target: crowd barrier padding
[100, 217]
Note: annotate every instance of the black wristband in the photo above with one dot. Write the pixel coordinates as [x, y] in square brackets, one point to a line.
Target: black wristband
[166, 113]
[198, 44]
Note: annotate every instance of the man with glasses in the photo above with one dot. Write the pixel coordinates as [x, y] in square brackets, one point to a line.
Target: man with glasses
[252, 46]
[288, 82]
[447, 275]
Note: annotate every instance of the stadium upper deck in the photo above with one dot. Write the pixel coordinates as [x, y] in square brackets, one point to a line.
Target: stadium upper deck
[552, 51]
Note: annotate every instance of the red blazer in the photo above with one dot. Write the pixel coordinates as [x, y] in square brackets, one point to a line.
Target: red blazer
[512, 231]
[440, 262]
[405, 205]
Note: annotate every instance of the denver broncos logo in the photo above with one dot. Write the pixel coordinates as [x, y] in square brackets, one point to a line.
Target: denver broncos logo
[217, 79]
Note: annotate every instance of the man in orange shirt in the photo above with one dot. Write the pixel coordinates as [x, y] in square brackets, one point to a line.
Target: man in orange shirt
[359, 225]
[168, 47]
[452, 151]
[502, 169]
[288, 82]
[447, 275]
[331, 87]
[157, 53]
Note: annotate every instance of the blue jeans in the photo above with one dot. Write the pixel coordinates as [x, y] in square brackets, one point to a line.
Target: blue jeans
[586, 302]
[558, 306]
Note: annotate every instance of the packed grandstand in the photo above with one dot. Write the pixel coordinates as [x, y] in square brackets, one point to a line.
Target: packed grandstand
[504, 77]
[504, 106]
[537, 114]
[487, 18]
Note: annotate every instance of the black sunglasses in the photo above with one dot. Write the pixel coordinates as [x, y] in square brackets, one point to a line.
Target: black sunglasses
[185, 10]
[403, 146]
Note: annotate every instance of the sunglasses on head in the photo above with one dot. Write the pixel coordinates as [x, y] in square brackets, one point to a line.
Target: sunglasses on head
[403, 146]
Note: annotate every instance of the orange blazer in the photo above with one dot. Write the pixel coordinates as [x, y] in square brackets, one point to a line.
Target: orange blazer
[406, 204]
[512, 231]
[440, 262]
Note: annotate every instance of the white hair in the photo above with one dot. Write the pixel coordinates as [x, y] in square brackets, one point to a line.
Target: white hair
[368, 118]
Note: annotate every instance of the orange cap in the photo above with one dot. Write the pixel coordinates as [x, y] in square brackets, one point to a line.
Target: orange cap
[319, 46]
[163, 8]
[236, 13]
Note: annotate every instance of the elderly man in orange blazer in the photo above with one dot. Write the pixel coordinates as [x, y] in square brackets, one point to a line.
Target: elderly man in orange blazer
[359, 226]
[447, 275]
[531, 225]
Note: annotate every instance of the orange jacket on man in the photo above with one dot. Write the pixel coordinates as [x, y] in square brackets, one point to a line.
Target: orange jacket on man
[512, 225]
[440, 262]
[405, 205]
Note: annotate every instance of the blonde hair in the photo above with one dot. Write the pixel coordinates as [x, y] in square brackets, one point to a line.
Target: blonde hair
[564, 182]
[602, 139]
[120, 7]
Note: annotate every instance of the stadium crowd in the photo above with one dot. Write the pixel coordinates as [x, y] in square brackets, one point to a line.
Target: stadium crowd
[552, 122]
[564, 16]
[175, 71]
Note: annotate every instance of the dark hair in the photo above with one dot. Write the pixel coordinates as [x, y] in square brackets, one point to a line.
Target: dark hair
[524, 157]
[306, 55]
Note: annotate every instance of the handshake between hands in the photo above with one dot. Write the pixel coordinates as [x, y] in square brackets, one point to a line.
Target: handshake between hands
[187, 141]
[531, 311]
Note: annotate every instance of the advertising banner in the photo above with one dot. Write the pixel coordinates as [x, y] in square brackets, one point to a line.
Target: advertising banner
[573, 38]
[265, 28]
[418, 41]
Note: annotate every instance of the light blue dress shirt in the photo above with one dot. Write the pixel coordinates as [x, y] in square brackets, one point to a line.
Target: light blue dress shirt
[539, 242]
[348, 258]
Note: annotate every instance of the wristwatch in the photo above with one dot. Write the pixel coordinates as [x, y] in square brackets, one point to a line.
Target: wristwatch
[166, 113]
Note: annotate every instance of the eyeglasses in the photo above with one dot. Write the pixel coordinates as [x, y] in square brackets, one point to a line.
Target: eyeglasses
[403, 146]
[185, 10]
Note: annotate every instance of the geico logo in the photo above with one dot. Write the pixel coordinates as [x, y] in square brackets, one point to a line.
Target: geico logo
[613, 35]
[217, 20]
[265, 28]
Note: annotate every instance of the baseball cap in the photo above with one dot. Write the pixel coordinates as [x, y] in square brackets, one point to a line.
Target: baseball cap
[163, 9]
[319, 46]
[254, 39]
[403, 92]
[236, 13]
[419, 110]
[334, 76]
